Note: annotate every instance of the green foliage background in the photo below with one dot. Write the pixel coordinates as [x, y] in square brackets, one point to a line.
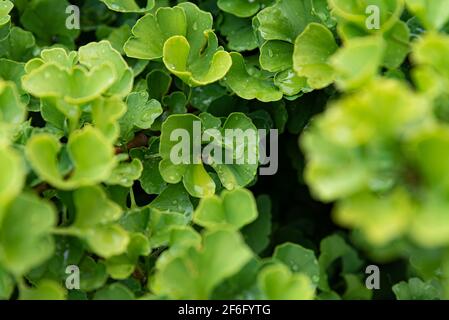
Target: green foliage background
[86, 177]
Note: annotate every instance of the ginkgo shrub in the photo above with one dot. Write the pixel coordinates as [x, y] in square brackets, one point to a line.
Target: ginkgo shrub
[88, 183]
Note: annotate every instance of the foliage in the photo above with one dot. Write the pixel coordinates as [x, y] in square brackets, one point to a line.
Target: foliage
[87, 177]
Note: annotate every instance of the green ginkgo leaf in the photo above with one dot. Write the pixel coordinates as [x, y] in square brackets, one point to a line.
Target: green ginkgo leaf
[276, 56]
[196, 68]
[250, 86]
[432, 13]
[45, 290]
[5, 19]
[183, 156]
[126, 173]
[105, 114]
[313, 48]
[59, 56]
[244, 145]
[12, 110]
[93, 208]
[151, 180]
[141, 114]
[95, 54]
[190, 170]
[222, 254]
[356, 12]
[361, 120]
[277, 282]
[240, 8]
[183, 37]
[161, 225]
[6, 284]
[350, 65]
[151, 31]
[381, 220]
[18, 46]
[91, 153]
[128, 5]
[14, 71]
[299, 259]
[114, 291]
[416, 289]
[13, 177]
[76, 86]
[334, 248]
[430, 51]
[257, 234]
[235, 208]
[239, 33]
[122, 266]
[25, 239]
[285, 20]
[46, 19]
[95, 217]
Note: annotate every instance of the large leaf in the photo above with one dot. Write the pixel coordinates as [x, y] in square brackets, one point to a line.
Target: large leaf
[25, 239]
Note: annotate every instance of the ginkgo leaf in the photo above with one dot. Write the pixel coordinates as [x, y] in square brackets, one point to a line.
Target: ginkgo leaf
[313, 48]
[183, 37]
[235, 208]
[25, 239]
[250, 86]
[222, 254]
[277, 282]
[91, 153]
[240, 8]
[5, 19]
[350, 65]
[128, 5]
[95, 54]
[141, 113]
[285, 20]
[75, 86]
[13, 177]
[432, 13]
[59, 56]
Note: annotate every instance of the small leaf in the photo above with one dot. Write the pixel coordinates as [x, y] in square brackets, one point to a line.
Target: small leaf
[299, 259]
[91, 154]
[94, 55]
[45, 290]
[313, 49]
[25, 239]
[76, 86]
[141, 114]
[249, 86]
[235, 208]
[350, 65]
[277, 282]
[128, 5]
[432, 13]
[193, 273]
[240, 8]
[416, 289]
